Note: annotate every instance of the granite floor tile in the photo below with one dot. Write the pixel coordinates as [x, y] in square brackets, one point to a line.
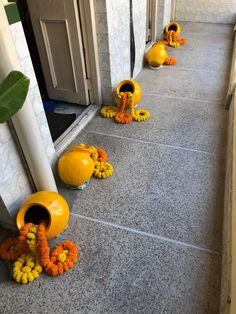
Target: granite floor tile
[215, 44]
[184, 123]
[201, 59]
[168, 192]
[207, 29]
[121, 272]
[190, 84]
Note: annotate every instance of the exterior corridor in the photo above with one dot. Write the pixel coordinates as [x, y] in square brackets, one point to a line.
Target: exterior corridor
[149, 237]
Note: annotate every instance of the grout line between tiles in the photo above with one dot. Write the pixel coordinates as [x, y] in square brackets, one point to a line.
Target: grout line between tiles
[150, 235]
[152, 143]
[216, 102]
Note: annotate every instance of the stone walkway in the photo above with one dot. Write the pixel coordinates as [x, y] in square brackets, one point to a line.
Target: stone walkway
[150, 236]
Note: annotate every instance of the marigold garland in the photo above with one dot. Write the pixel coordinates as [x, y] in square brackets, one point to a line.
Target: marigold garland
[125, 100]
[170, 61]
[94, 152]
[123, 118]
[56, 264]
[102, 155]
[103, 170]
[28, 266]
[109, 111]
[140, 114]
[172, 40]
[11, 249]
[31, 239]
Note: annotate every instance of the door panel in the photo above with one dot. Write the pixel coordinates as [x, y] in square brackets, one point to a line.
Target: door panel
[58, 35]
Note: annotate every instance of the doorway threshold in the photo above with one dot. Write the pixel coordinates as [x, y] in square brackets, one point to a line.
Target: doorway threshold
[75, 128]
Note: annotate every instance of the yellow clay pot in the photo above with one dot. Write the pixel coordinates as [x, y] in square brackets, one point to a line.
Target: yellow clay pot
[130, 86]
[45, 206]
[156, 55]
[173, 26]
[76, 167]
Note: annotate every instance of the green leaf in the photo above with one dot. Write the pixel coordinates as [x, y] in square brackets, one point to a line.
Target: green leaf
[13, 92]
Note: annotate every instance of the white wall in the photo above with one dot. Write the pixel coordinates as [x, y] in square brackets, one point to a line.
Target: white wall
[113, 29]
[163, 16]
[213, 11]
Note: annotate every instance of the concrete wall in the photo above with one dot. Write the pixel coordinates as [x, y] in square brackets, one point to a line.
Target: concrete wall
[213, 11]
[163, 16]
[113, 29]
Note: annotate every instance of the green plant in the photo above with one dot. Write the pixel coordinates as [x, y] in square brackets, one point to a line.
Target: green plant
[13, 92]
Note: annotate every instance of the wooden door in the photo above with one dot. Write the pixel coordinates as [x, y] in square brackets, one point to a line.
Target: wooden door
[57, 31]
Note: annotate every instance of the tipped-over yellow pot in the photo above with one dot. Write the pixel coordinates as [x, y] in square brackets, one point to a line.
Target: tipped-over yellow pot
[130, 86]
[173, 26]
[156, 55]
[76, 167]
[45, 206]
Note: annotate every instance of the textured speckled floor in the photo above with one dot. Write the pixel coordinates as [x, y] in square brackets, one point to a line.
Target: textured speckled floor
[150, 236]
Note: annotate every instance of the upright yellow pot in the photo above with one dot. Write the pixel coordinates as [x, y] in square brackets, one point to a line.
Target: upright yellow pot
[45, 206]
[156, 55]
[129, 86]
[76, 167]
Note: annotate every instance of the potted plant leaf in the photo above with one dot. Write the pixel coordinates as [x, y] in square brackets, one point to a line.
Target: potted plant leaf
[13, 92]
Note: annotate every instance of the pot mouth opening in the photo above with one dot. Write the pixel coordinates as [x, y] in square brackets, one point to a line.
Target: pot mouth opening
[172, 27]
[37, 214]
[127, 87]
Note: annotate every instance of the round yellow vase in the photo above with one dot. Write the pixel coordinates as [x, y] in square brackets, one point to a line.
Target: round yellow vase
[76, 167]
[45, 206]
[156, 55]
[173, 26]
[130, 86]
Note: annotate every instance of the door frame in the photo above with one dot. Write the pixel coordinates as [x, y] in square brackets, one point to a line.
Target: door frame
[173, 9]
[153, 29]
[89, 34]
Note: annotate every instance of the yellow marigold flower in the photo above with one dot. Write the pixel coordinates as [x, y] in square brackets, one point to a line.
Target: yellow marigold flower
[33, 229]
[61, 257]
[30, 277]
[16, 273]
[24, 278]
[26, 269]
[18, 277]
[30, 264]
[17, 264]
[35, 273]
[38, 268]
[31, 235]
